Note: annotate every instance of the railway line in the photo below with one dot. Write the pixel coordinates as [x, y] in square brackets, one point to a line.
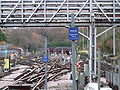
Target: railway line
[31, 72]
[34, 74]
[110, 71]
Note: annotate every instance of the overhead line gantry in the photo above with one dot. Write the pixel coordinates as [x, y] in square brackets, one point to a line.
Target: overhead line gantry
[57, 13]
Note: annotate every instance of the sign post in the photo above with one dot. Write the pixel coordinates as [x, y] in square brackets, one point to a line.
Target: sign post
[73, 35]
[45, 59]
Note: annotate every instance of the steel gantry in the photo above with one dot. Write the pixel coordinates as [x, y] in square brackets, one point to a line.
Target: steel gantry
[35, 13]
[57, 13]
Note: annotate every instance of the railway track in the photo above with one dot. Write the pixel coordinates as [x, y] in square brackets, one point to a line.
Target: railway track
[35, 74]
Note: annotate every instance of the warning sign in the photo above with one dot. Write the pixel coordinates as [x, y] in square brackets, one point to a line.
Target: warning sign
[6, 63]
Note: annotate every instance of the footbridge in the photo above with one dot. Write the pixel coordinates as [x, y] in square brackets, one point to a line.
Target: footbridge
[57, 13]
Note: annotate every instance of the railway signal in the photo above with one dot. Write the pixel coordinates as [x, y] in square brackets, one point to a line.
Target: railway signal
[80, 65]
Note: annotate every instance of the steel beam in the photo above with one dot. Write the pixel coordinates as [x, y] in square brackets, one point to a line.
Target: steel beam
[57, 11]
[34, 11]
[90, 43]
[22, 11]
[105, 31]
[0, 11]
[102, 10]
[90, 55]
[114, 51]
[12, 10]
[81, 8]
[84, 35]
[57, 24]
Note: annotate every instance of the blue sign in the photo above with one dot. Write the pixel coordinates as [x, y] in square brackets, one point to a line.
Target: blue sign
[45, 58]
[6, 51]
[73, 33]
